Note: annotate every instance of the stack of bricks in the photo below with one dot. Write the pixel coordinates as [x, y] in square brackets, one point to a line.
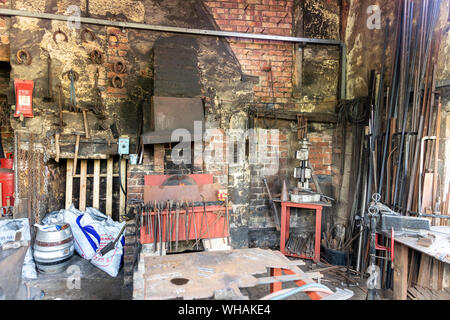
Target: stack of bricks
[117, 52]
[271, 61]
[135, 193]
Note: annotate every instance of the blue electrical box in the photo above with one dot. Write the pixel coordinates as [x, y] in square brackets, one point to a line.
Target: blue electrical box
[123, 146]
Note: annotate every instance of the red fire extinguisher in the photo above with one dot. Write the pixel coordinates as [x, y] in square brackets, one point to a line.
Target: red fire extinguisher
[24, 98]
[7, 162]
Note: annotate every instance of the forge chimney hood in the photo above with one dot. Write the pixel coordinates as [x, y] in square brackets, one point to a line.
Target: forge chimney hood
[165, 114]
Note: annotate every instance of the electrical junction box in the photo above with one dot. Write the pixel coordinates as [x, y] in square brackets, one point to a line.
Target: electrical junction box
[123, 145]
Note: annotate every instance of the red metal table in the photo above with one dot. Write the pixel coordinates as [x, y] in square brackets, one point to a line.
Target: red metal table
[285, 224]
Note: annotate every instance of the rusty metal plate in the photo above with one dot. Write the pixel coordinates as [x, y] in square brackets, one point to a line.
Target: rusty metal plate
[161, 179]
[168, 114]
[181, 193]
[199, 275]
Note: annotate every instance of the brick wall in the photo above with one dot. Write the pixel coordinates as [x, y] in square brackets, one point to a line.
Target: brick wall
[256, 56]
[320, 152]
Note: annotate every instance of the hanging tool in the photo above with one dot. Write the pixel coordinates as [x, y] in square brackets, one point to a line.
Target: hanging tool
[154, 227]
[189, 219]
[60, 106]
[112, 244]
[227, 221]
[177, 219]
[167, 226]
[170, 224]
[73, 76]
[141, 224]
[195, 225]
[272, 203]
[160, 228]
[49, 97]
[186, 219]
[86, 124]
[75, 158]
[206, 219]
[149, 219]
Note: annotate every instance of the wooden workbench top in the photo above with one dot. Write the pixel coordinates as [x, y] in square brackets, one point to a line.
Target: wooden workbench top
[440, 249]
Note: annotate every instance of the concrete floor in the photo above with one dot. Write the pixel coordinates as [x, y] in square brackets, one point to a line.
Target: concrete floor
[95, 284]
[98, 285]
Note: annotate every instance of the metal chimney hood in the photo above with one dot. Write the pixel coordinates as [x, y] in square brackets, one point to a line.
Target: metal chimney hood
[165, 114]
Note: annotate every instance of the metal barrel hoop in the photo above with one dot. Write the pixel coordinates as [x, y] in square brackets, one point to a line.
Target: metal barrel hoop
[19, 55]
[119, 67]
[91, 34]
[115, 79]
[59, 32]
[96, 56]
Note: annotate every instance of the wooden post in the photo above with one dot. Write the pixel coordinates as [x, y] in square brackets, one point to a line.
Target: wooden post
[83, 181]
[96, 189]
[400, 272]
[109, 186]
[69, 182]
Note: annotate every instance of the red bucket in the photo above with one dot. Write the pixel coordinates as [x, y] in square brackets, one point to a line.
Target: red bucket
[7, 162]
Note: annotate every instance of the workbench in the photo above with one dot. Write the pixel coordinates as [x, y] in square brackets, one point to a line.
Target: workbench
[216, 274]
[285, 224]
[434, 262]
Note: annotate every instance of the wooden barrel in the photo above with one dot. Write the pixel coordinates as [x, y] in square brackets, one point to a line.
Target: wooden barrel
[53, 248]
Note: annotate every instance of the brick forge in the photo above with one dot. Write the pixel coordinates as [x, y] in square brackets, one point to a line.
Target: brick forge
[272, 64]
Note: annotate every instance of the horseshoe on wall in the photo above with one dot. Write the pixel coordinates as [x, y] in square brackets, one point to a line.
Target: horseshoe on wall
[59, 32]
[115, 79]
[119, 67]
[84, 32]
[19, 55]
[96, 56]
[75, 75]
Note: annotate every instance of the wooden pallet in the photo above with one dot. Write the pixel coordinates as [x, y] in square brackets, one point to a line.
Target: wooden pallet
[95, 175]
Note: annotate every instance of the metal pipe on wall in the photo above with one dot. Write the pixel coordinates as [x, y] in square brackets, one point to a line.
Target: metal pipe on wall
[217, 33]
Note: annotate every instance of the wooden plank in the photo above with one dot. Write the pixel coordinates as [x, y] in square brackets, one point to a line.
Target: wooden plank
[440, 276]
[91, 175]
[123, 181]
[436, 158]
[83, 181]
[434, 274]
[400, 272]
[109, 186]
[69, 183]
[96, 189]
[424, 271]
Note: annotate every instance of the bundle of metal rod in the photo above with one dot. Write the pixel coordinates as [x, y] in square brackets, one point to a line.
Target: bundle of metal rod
[396, 155]
[301, 244]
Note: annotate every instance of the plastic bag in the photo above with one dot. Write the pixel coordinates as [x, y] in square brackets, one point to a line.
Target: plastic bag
[8, 230]
[92, 230]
